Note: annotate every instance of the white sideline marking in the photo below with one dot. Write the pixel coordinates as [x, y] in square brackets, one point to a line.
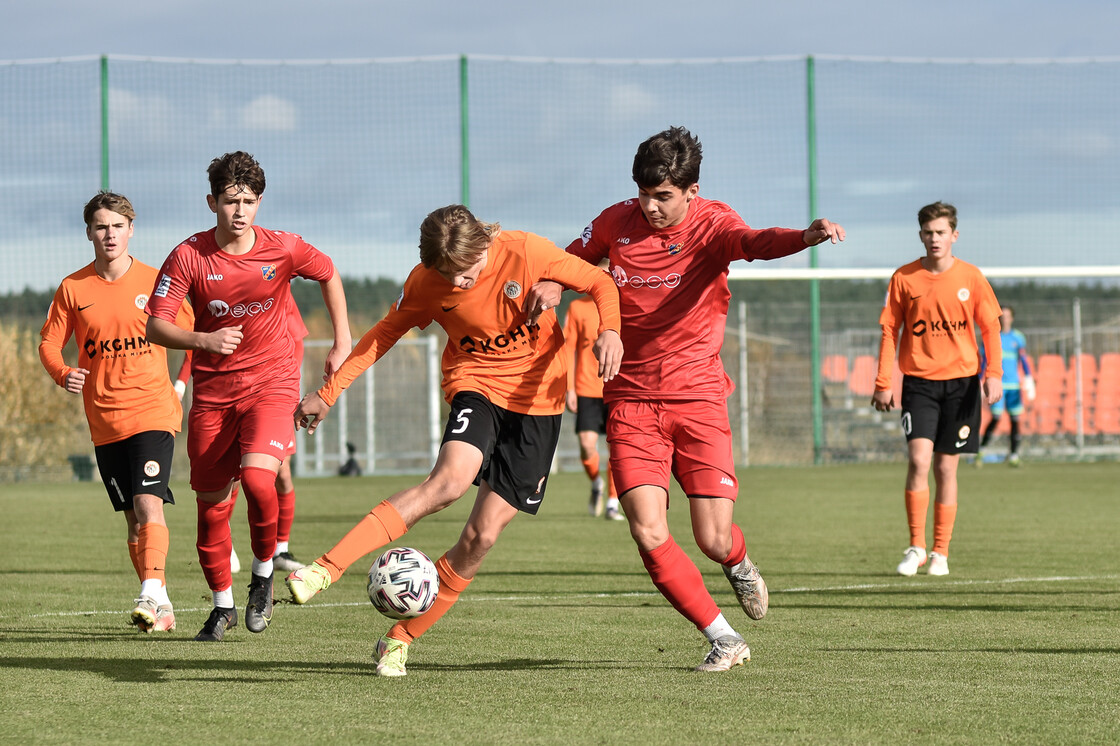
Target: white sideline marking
[483, 597]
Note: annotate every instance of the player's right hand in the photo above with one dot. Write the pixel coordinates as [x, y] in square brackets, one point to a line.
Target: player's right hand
[883, 400]
[75, 380]
[311, 411]
[224, 341]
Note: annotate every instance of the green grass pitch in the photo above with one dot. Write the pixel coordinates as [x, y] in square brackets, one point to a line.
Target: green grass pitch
[563, 639]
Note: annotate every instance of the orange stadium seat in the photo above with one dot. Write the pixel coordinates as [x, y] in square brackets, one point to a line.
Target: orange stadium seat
[834, 368]
[862, 380]
[1106, 410]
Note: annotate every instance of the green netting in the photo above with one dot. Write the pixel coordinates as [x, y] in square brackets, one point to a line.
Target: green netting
[357, 152]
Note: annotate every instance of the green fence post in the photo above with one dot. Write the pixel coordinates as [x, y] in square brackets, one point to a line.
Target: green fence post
[464, 135]
[105, 122]
[814, 284]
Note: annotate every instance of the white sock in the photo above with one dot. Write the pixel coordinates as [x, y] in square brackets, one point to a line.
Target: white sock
[223, 599]
[612, 502]
[281, 547]
[151, 588]
[719, 628]
[162, 599]
[262, 568]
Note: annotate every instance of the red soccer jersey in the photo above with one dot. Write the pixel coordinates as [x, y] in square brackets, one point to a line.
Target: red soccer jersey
[490, 348]
[250, 289]
[673, 293]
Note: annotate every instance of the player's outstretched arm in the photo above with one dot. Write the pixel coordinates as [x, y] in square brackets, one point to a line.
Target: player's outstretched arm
[608, 351]
[311, 411]
[821, 230]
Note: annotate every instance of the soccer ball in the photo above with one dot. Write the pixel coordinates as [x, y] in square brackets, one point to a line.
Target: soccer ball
[403, 583]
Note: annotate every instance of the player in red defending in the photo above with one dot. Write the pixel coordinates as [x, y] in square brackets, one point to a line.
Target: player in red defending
[282, 558]
[130, 404]
[246, 375]
[669, 252]
[505, 379]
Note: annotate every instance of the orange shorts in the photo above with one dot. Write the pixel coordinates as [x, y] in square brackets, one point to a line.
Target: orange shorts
[691, 440]
[217, 437]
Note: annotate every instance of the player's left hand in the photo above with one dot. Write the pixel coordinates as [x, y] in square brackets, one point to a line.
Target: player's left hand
[608, 351]
[541, 297]
[822, 230]
[992, 389]
[311, 411]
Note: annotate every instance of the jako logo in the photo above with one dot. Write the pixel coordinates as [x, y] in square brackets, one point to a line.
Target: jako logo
[653, 281]
[214, 278]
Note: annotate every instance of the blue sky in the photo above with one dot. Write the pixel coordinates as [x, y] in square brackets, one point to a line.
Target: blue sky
[283, 29]
[1037, 183]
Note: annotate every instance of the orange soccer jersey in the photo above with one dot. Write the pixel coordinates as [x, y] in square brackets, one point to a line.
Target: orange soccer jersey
[491, 349]
[937, 315]
[581, 329]
[128, 389]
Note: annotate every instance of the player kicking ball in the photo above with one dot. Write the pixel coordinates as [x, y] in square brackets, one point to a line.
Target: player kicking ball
[503, 375]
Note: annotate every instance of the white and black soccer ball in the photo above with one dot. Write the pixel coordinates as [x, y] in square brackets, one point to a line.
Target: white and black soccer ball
[403, 583]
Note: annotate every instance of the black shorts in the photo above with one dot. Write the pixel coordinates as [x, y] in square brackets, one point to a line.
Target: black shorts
[137, 465]
[946, 412]
[591, 415]
[517, 449]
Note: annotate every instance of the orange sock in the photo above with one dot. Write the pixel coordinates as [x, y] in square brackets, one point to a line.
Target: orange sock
[383, 525]
[134, 555]
[450, 586]
[591, 465]
[152, 552]
[944, 516]
[612, 491]
[917, 504]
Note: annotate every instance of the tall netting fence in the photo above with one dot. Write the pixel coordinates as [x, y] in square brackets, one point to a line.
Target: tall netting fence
[357, 152]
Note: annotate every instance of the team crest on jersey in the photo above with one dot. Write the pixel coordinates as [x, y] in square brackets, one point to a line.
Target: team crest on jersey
[268, 271]
[512, 289]
[963, 294]
[141, 301]
[675, 248]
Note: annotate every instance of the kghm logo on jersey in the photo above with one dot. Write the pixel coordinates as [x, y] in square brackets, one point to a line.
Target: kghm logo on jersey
[114, 348]
[511, 339]
[268, 271]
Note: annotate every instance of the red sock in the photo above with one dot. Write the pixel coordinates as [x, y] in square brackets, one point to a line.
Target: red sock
[382, 525]
[450, 586]
[260, 493]
[738, 547]
[152, 552]
[215, 543]
[287, 504]
[679, 580]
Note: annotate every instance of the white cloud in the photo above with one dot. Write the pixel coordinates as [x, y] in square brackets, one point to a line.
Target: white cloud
[270, 113]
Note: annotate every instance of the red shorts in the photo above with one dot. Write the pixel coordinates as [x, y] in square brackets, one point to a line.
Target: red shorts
[690, 440]
[217, 437]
